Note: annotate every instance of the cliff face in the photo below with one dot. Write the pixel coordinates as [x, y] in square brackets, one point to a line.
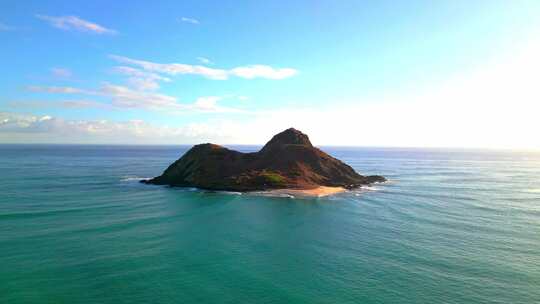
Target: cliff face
[288, 160]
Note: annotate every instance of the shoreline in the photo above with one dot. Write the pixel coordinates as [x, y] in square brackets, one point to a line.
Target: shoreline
[320, 191]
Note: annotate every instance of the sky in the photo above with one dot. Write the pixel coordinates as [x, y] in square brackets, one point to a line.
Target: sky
[351, 73]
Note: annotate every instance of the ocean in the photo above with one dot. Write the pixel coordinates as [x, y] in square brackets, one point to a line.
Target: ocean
[451, 226]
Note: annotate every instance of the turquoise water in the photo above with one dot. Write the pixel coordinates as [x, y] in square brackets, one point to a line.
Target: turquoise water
[450, 227]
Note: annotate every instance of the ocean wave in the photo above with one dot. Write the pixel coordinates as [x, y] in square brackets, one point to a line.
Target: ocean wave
[132, 178]
[228, 192]
[270, 193]
[370, 188]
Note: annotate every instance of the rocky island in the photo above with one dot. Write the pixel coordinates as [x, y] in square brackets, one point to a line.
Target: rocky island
[288, 163]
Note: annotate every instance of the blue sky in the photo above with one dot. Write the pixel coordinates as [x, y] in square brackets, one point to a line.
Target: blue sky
[413, 73]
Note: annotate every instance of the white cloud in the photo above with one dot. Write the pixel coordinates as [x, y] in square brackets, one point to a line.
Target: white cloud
[174, 68]
[61, 73]
[138, 73]
[189, 20]
[263, 71]
[141, 80]
[75, 23]
[248, 72]
[204, 60]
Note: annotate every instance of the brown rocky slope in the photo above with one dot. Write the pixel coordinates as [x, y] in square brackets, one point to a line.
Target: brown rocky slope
[287, 161]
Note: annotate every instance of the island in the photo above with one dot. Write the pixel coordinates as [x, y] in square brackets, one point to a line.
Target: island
[287, 164]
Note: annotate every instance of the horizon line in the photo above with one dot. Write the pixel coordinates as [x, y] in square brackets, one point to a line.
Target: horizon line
[501, 149]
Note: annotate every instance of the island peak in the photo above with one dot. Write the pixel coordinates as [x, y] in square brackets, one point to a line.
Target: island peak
[290, 136]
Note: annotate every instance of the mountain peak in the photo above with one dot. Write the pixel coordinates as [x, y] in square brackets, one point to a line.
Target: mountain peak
[290, 136]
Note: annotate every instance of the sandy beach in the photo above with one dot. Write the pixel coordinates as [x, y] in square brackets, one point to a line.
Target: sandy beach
[316, 192]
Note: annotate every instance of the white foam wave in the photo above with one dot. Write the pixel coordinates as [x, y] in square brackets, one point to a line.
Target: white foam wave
[133, 178]
[365, 189]
[270, 193]
[371, 188]
[229, 192]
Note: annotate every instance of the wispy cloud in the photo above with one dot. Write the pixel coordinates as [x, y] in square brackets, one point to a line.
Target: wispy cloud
[75, 23]
[204, 60]
[129, 71]
[121, 96]
[66, 104]
[124, 97]
[141, 80]
[210, 104]
[61, 73]
[84, 104]
[5, 28]
[247, 72]
[174, 68]
[53, 89]
[263, 71]
[189, 20]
